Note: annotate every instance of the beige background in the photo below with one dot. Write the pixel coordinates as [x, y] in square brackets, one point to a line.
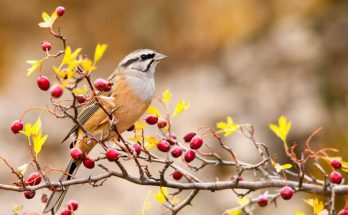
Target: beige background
[251, 59]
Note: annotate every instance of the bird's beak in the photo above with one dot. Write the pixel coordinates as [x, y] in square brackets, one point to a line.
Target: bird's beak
[160, 56]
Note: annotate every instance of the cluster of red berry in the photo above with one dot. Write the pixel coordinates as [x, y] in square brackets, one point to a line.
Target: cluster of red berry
[167, 145]
[71, 206]
[287, 192]
[43, 82]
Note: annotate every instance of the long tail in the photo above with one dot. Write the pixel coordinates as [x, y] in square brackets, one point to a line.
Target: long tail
[57, 197]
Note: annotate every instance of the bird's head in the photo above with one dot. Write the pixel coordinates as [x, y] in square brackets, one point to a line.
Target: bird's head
[142, 61]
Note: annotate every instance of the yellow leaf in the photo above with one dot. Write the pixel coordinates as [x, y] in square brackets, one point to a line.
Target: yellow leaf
[61, 74]
[228, 128]
[166, 96]
[35, 132]
[36, 127]
[27, 130]
[82, 91]
[161, 195]
[22, 169]
[298, 212]
[180, 107]
[279, 167]
[243, 201]
[87, 65]
[150, 142]
[48, 21]
[317, 205]
[35, 65]
[146, 206]
[38, 142]
[139, 125]
[16, 208]
[70, 57]
[135, 139]
[175, 200]
[282, 129]
[233, 211]
[99, 52]
[154, 111]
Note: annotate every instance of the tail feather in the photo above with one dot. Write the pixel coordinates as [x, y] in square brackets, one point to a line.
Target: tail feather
[57, 197]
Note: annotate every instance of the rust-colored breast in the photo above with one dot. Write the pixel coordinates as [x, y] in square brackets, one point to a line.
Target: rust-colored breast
[128, 108]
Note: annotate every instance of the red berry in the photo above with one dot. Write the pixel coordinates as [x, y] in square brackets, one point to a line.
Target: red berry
[43, 82]
[88, 163]
[343, 212]
[163, 146]
[137, 148]
[56, 91]
[60, 11]
[17, 126]
[46, 46]
[188, 137]
[73, 205]
[196, 142]
[81, 99]
[34, 179]
[112, 154]
[29, 194]
[336, 163]
[262, 201]
[176, 151]
[77, 154]
[173, 136]
[151, 119]
[189, 155]
[44, 198]
[65, 212]
[177, 175]
[162, 123]
[336, 177]
[286, 193]
[102, 85]
[131, 128]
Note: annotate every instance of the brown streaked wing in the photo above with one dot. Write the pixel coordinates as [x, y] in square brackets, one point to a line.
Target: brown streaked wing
[90, 108]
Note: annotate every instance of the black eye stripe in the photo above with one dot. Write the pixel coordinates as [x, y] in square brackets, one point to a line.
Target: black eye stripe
[142, 57]
[147, 56]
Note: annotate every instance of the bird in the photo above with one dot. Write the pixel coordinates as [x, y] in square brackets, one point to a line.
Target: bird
[132, 91]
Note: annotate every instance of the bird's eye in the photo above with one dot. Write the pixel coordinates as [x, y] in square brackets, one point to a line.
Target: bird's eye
[143, 57]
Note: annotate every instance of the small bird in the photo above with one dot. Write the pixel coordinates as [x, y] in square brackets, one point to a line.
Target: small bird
[133, 88]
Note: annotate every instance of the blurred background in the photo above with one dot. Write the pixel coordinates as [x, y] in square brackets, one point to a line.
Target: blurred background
[251, 59]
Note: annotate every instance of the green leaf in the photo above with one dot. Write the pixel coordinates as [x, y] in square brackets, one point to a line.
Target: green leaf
[166, 96]
[48, 21]
[99, 52]
[228, 127]
[181, 107]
